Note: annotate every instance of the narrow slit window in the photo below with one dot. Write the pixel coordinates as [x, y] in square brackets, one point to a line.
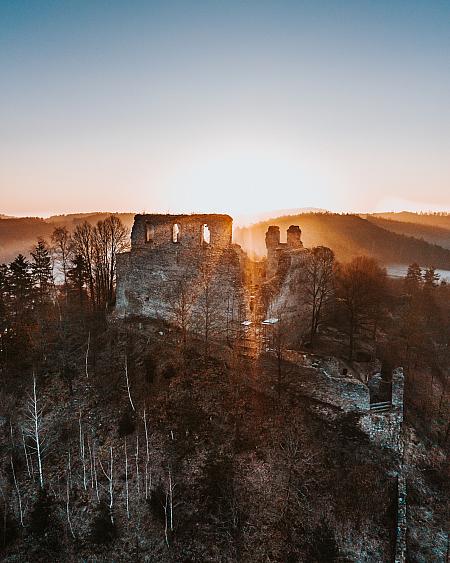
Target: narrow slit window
[149, 233]
[206, 235]
[176, 231]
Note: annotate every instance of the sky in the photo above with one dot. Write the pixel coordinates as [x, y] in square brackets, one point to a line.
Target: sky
[213, 106]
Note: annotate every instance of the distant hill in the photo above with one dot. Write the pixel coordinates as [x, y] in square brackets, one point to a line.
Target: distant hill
[431, 233]
[251, 218]
[348, 236]
[19, 235]
[391, 242]
[439, 219]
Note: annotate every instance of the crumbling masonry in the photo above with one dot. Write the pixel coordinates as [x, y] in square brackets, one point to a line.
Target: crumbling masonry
[182, 269]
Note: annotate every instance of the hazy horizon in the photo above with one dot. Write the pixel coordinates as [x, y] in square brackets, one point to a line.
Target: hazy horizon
[238, 220]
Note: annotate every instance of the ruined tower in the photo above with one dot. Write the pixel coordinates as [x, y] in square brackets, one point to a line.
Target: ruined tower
[275, 248]
[180, 257]
[294, 237]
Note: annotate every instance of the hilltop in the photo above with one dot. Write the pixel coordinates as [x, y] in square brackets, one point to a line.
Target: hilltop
[421, 238]
[19, 234]
[348, 236]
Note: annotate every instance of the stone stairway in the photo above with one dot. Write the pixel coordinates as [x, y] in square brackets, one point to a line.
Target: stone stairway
[383, 406]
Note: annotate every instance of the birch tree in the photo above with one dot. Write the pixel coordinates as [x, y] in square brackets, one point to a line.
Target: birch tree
[16, 486]
[109, 478]
[126, 479]
[128, 383]
[68, 487]
[147, 456]
[35, 430]
[82, 450]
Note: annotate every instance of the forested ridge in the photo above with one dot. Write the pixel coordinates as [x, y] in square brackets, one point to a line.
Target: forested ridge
[132, 440]
[349, 236]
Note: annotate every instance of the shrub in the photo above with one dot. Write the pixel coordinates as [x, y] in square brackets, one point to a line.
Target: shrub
[157, 502]
[150, 367]
[169, 371]
[323, 544]
[41, 514]
[103, 529]
[127, 423]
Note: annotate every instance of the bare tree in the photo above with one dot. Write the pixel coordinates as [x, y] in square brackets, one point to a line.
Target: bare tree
[16, 486]
[126, 478]
[278, 346]
[147, 456]
[62, 243]
[168, 507]
[128, 383]
[109, 237]
[109, 478]
[94, 463]
[207, 304]
[68, 486]
[84, 240]
[86, 358]
[319, 284]
[26, 455]
[82, 450]
[137, 465]
[34, 429]
[181, 300]
[360, 287]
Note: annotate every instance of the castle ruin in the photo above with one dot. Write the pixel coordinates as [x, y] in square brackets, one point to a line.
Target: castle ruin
[276, 249]
[182, 269]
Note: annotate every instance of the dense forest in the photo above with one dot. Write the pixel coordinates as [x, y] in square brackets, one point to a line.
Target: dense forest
[431, 233]
[122, 440]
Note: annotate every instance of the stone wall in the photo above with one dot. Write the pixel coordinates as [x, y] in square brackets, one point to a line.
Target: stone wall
[172, 264]
[277, 250]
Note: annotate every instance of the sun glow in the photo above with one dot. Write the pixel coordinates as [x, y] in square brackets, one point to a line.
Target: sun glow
[247, 183]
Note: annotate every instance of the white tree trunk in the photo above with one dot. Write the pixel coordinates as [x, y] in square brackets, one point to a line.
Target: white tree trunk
[126, 479]
[35, 429]
[128, 383]
[109, 478]
[68, 479]
[16, 485]
[147, 458]
[26, 454]
[87, 355]
[137, 466]
[82, 452]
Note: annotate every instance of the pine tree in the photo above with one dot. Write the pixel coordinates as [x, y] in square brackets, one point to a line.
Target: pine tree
[4, 284]
[413, 277]
[42, 269]
[20, 284]
[77, 277]
[430, 278]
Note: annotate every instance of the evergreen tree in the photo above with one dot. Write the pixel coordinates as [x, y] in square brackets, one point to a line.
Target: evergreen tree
[3, 286]
[4, 273]
[77, 276]
[413, 277]
[42, 269]
[21, 284]
[430, 278]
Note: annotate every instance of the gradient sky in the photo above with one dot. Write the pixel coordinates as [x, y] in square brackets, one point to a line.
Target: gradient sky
[227, 106]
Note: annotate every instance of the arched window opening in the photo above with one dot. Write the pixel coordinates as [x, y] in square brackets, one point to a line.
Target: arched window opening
[206, 235]
[149, 232]
[176, 231]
